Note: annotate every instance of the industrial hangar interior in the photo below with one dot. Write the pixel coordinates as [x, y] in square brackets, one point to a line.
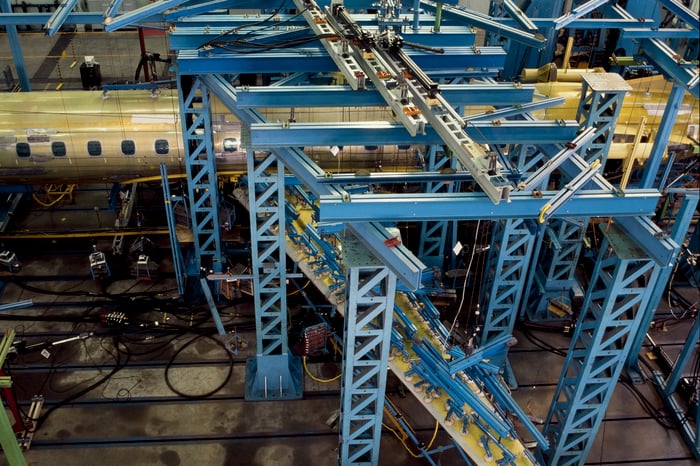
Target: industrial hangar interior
[301, 232]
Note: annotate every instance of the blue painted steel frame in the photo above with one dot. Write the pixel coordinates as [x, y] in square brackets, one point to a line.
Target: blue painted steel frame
[273, 373]
[53, 25]
[600, 344]
[434, 234]
[16, 48]
[602, 96]
[202, 184]
[509, 258]
[370, 302]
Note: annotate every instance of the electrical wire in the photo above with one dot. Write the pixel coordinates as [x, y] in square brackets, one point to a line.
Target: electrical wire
[317, 379]
[198, 396]
[402, 440]
[430, 444]
[466, 277]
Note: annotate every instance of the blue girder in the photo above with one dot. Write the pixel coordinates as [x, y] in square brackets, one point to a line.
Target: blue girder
[315, 59]
[373, 133]
[474, 206]
[500, 94]
[58, 18]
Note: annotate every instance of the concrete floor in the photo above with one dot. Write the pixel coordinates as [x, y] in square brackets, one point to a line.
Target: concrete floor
[136, 419]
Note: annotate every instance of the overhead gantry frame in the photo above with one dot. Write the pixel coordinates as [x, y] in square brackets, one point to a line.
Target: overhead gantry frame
[581, 411]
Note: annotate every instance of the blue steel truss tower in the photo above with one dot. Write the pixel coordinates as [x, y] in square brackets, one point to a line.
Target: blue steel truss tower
[622, 283]
[555, 284]
[434, 235]
[506, 271]
[370, 292]
[202, 184]
[273, 373]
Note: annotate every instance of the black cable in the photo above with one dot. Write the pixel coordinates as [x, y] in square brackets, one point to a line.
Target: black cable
[119, 366]
[201, 395]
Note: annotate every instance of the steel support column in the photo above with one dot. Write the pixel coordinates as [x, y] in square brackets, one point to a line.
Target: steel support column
[506, 271]
[431, 249]
[622, 282]
[368, 316]
[673, 106]
[202, 185]
[555, 285]
[273, 373]
[16, 48]
[178, 260]
[601, 101]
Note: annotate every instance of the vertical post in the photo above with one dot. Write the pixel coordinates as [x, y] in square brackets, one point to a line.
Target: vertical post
[601, 342]
[16, 48]
[202, 184]
[370, 301]
[433, 237]
[273, 373]
[602, 95]
[506, 271]
[673, 105]
[178, 261]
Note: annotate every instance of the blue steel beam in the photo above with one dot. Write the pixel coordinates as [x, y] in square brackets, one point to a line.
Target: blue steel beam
[487, 23]
[602, 97]
[233, 21]
[399, 259]
[475, 206]
[586, 23]
[114, 23]
[518, 15]
[688, 16]
[661, 33]
[664, 131]
[39, 19]
[315, 59]
[577, 13]
[433, 235]
[506, 270]
[196, 9]
[515, 111]
[685, 73]
[387, 133]
[497, 94]
[112, 8]
[58, 18]
[178, 261]
[202, 183]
